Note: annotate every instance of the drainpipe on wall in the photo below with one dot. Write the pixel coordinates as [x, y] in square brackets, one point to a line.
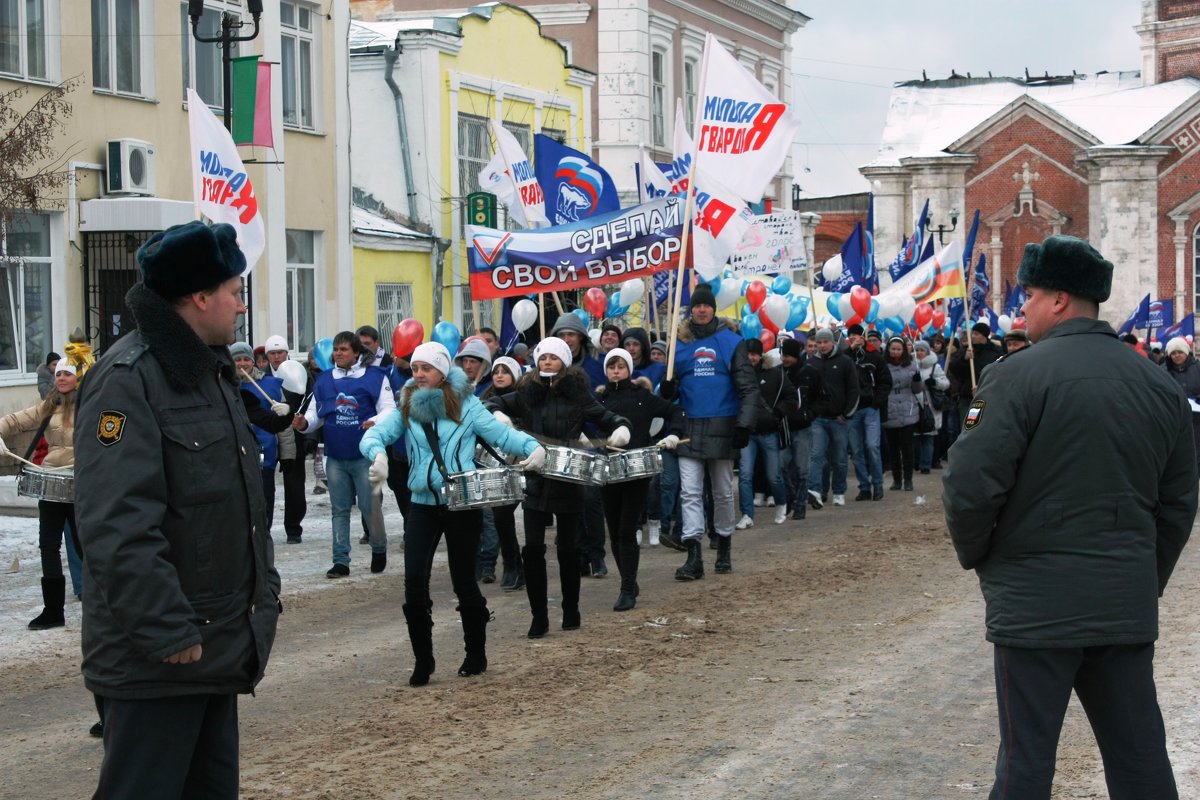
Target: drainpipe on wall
[389, 58]
[441, 246]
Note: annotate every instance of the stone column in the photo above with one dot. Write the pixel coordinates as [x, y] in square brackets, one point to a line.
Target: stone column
[623, 88]
[943, 180]
[893, 215]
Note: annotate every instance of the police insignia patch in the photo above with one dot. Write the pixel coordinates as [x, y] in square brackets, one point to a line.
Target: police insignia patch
[974, 414]
[112, 424]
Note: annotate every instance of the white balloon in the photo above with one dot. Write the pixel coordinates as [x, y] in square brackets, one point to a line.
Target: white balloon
[778, 309]
[631, 291]
[907, 305]
[889, 306]
[1003, 323]
[293, 375]
[844, 306]
[594, 336]
[729, 293]
[524, 314]
[832, 268]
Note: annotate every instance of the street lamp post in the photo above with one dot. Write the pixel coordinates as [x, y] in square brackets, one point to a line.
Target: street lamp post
[225, 41]
[941, 230]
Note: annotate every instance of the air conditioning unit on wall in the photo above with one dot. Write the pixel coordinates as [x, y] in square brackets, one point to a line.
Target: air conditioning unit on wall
[130, 166]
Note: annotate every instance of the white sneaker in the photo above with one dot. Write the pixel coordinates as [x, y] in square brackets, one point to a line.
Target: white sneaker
[638, 537]
[653, 535]
[780, 514]
[759, 500]
[839, 499]
[744, 522]
[770, 501]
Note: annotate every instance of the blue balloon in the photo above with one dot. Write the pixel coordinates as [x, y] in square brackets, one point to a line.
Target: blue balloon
[751, 326]
[894, 325]
[446, 334]
[615, 309]
[323, 352]
[781, 285]
[583, 316]
[831, 304]
[797, 313]
[873, 314]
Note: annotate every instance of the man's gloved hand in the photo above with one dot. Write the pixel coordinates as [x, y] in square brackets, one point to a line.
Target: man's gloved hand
[668, 389]
[378, 472]
[534, 460]
[281, 409]
[619, 437]
[917, 377]
[502, 418]
[669, 442]
[741, 438]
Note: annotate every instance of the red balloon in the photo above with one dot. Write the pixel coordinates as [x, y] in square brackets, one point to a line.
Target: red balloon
[768, 325]
[768, 340]
[595, 301]
[939, 318]
[408, 334]
[1018, 324]
[756, 295]
[860, 301]
[922, 316]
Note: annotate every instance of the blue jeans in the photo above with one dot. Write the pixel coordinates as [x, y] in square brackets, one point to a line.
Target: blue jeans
[863, 428]
[796, 462]
[668, 484]
[74, 561]
[347, 478]
[828, 436]
[768, 445]
[489, 544]
[924, 452]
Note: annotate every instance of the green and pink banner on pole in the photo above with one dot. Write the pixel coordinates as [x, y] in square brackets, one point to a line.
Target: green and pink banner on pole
[252, 102]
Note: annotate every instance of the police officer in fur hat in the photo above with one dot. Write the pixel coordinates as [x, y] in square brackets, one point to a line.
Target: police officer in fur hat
[1073, 512]
[180, 608]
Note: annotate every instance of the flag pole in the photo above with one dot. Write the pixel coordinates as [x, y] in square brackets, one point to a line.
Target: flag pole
[967, 331]
[542, 314]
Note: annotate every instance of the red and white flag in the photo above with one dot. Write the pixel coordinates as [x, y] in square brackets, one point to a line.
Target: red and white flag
[745, 132]
[222, 190]
[510, 177]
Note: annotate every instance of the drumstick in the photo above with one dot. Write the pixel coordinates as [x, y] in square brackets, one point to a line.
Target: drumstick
[256, 386]
[25, 460]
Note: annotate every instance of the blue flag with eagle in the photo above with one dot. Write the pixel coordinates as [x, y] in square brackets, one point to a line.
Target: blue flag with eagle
[576, 187]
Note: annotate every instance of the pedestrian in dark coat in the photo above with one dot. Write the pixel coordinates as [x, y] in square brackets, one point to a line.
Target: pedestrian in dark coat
[182, 596]
[1071, 492]
[1181, 365]
[553, 403]
[834, 405]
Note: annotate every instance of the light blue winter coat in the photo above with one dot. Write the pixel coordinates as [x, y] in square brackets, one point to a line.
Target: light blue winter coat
[457, 440]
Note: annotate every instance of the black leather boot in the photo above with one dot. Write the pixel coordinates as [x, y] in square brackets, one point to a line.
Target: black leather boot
[534, 560]
[54, 592]
[474, 622]
[723, 564]
[668, 536]
[420, 633]
[569, 581]
[628, 559]
[514, 574]
[693, 568]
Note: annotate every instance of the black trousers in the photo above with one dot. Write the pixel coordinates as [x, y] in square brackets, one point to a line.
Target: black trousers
[900, 451]
[295, 505]
[268, 478]
[624, 504]
[397, 479]
[170, 747]
[423, 529]
[567, 550]
[505, 518]
[52, 517]
[591, 531]
[1115, 686]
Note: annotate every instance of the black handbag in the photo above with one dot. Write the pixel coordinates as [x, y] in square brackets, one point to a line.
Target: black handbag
[926, 422]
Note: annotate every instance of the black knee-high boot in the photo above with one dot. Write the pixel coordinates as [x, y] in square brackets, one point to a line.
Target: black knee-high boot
[569, 581]
[474, 622]
[534, 558]
[420, 633]
[54, 592]
[627, 564]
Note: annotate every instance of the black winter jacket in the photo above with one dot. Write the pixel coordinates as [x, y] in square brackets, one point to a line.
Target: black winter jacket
[172, 522]
[959, 368]
[807, 381]
[874, 378]
[777, 399]
[636, 402]
[555, 411]
[837, 393]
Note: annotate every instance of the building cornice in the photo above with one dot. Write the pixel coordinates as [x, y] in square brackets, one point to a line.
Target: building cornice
[561, 13]
[772, 13]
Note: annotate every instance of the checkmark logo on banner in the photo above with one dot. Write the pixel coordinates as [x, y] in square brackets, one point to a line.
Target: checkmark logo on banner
[489, 256]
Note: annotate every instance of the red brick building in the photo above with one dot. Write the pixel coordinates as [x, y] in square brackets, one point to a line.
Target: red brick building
[1109, 157]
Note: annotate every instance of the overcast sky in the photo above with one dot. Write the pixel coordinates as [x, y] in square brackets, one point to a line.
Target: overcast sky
[850, 54]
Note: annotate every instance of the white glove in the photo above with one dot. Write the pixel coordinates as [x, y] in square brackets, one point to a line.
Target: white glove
[281, 409]
[502, 418]
[619, 437]
[584, 440]
[669, 442]
[378, 472]
[534, 460]
[3, 448]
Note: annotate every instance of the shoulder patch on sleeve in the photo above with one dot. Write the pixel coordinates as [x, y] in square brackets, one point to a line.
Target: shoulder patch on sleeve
[110, 427]
[974, 414]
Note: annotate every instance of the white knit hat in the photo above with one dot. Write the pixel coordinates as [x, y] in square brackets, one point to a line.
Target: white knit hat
[555, 347]
[275, 342]
[1178, 344]
[621, 353]
[64, 368]
[510, 364]
[434, 354]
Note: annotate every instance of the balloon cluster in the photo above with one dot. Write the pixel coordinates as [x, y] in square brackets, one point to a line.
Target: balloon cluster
[601, 306]
[768, 309]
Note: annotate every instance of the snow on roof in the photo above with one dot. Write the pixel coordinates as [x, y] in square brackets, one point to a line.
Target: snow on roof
[1112, 107]
[363, 221]
[385, 31]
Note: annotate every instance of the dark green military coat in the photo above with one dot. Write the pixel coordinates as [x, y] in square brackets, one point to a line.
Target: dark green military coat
[1072, 490]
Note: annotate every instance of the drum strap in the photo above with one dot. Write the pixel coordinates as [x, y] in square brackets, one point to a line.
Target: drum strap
[432, 435]
[37, 436]
[492, 452]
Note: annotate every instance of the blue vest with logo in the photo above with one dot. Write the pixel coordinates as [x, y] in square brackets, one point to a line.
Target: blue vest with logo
[266, 440]
[706, 387]
[344, 404]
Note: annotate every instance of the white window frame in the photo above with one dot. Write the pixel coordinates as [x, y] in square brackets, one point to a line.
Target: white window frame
[144, 49]
[50, 42]
[302, 309]
[24, 371]
[307, 86]
[487, 312]
[393, 303]
[691, 87]
[659, 91]
[216, 8]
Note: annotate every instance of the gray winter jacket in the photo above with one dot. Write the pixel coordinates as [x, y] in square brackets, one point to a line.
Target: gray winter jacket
[1072, 490]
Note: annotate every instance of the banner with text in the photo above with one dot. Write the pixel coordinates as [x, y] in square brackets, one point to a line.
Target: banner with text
[631, 243]
[773, 244]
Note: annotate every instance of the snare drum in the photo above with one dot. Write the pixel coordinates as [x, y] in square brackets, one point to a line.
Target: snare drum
[56, 485]
[633, 464]
[486, 460]
[573, 466]
[480, 488]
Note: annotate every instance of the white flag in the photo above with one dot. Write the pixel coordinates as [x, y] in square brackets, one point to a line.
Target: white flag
[222, 190]
[745, 132]
[653, 182]
[510, 177]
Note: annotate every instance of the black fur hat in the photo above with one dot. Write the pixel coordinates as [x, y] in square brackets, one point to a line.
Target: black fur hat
[190, 258]
[1066, 264]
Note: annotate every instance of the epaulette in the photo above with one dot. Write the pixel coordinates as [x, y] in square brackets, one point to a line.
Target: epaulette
[130, 354]
[1009, 355]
